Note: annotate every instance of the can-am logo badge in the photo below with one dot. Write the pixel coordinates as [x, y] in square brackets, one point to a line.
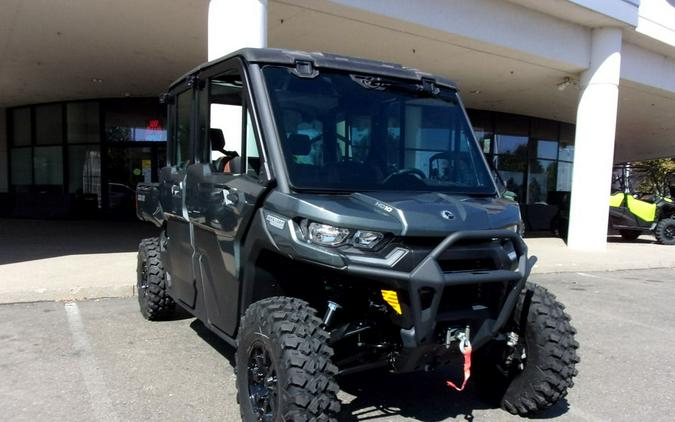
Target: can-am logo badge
[448, 215]
[383, 206]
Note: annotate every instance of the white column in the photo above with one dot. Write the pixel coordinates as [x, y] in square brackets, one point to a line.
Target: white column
[594, 142]
[236, 24]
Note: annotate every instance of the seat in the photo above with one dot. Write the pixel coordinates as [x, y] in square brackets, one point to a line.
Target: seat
[217, 140]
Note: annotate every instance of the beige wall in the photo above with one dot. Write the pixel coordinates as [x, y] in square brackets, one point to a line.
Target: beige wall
[3, 151]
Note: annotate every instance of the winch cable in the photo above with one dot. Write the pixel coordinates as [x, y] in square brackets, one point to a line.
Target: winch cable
[465, 348]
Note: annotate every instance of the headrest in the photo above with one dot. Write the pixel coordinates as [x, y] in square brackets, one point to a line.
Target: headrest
[235, 165]
[300, 144]
[217, 139]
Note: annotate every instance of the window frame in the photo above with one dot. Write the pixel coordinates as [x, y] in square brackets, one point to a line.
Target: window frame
[172, 111]
[202, 151]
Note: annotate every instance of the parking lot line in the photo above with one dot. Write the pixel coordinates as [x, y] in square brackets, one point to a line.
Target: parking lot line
[93, 380]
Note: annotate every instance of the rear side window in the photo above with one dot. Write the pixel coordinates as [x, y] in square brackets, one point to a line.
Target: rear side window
[182, 129]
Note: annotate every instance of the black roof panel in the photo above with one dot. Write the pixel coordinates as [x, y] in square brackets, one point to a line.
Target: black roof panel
[322, 60]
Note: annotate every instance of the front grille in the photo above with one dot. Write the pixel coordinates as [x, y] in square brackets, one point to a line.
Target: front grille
[473, 296]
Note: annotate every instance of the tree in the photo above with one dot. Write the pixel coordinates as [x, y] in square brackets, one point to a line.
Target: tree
[655, 176]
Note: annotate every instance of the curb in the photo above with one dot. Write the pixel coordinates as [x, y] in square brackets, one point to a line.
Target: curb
[64, 295]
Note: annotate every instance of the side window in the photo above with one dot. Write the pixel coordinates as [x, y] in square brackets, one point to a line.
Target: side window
[231, 134]
[181, 153]
[252, 153]
[225, 122]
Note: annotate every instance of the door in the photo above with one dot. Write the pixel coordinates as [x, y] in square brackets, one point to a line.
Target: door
[179, 251]
[125, 167]
[222, 188]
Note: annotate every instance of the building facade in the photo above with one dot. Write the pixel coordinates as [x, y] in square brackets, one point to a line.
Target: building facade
[558, 90]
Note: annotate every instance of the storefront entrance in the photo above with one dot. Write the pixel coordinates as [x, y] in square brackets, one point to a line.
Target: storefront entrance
[124, 168]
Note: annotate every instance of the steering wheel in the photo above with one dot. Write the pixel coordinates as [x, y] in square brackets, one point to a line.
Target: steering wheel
[409, 171]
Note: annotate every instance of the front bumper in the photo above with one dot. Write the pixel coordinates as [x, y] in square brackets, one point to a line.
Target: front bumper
[426, 278]
[429, 279]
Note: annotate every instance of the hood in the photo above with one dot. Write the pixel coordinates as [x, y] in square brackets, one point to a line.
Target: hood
[400, 213]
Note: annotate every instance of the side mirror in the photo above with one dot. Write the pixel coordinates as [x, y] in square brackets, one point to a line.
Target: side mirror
[511, 196]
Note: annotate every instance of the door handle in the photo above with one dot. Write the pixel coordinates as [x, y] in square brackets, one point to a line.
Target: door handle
[230, 194]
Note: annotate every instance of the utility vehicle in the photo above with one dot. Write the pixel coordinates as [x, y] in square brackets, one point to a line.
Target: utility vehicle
[633, 215]
[353, 224]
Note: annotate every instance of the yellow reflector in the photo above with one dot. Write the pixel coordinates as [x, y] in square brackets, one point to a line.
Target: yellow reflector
[391, 298]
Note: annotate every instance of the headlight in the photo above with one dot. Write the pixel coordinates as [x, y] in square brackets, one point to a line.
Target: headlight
[367, 239]
[513, 228]
[326, 235]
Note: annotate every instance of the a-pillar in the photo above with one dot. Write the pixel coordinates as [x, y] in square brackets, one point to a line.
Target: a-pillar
[236, 24]
[594, 142]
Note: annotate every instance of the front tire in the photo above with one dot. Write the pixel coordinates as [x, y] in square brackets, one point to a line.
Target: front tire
[284, 371]
[545, 356]
[665, 231]
[153, 299]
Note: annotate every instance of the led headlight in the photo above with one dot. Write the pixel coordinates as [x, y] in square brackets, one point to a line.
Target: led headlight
[367, 239]
[326, 235]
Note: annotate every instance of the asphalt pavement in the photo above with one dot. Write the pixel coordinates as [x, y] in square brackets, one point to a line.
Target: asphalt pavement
[99, 360]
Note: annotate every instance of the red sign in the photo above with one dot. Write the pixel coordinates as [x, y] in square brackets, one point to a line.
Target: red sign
[154, 124]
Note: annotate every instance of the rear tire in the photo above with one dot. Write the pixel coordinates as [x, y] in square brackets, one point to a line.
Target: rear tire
[548, 367]
[630, 234]
[284, 371]
[153, 299]
[665, 231]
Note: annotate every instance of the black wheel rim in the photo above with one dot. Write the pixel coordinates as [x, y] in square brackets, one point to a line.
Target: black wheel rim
[262, 383]
[669, 232]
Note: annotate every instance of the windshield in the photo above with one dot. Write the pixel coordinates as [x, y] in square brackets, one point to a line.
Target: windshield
[363, 133]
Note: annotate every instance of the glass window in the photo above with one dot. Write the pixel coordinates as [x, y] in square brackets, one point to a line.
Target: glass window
[252, 153]
[84, 169]
[225, 123]
[511, 124]
[82, 122]
[564, 180]
[21, 123]
[544, 129]
[49, 124]
[134, 121]
[541, 180]
[48, 165]
[353, 132]
[481, 121]
[547, 149]
[22, 166]
[509, 144]
[182, 154]
[566, 151]
[512, 171]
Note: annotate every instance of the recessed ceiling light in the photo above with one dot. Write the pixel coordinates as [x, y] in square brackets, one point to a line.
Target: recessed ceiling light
[475, 91]
[97, 80]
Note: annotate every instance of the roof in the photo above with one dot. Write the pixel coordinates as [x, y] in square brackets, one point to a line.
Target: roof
[322, 61]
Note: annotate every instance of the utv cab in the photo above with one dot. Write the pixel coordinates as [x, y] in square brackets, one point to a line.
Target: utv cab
[327, 215]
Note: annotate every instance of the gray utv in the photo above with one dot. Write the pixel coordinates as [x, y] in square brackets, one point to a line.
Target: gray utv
[327, 215]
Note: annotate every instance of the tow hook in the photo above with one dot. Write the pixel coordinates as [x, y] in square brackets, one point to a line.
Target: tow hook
[456, 334]
[465, 348]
